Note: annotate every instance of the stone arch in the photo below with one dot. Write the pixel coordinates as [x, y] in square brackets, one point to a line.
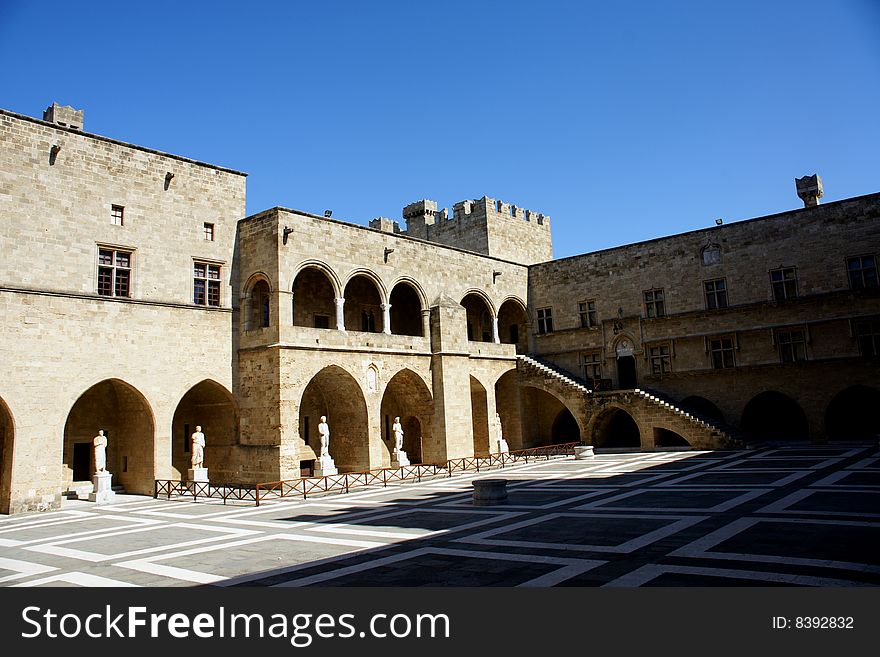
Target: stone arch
[614, 426]
[325, 269]
[668, 438]
[544, 416]
[513, 322]
[565, 428]
[315, 289]
[771, 415]
[335, 394]
[256, 302]
[853, 414]
[408, 397]
[7, 443]
[364, 297]
[407, 303]
[415, 285]
[480, 315]
[480, 417]
[210, 405]
[507, 405]
[702, 407]
[127, 419]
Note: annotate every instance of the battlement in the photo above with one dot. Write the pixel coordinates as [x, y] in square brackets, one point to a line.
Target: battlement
[485, 225]
[489, 206]
[385, 225]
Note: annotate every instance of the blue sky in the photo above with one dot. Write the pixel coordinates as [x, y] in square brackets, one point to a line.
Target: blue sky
[623, 121]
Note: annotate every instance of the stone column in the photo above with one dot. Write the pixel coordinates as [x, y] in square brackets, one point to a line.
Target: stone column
[340, 313]
[495, 338]
[386, 318]
[426, 323]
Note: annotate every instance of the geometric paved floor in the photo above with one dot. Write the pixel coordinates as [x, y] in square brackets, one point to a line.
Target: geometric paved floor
[802, 515]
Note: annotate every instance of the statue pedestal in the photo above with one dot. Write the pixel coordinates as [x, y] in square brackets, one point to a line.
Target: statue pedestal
[399, 459]
[503, 447]
[103, 491]
[197, 475]
[324, 467]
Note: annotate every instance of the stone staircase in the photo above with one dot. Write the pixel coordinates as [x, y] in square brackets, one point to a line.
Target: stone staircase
[530, 364]
[723, 433]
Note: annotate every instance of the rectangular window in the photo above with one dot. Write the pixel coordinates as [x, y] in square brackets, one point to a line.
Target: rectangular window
[784, 282]
[654, 303]
[322, 321]
[114, 273]
[587, 313]
[862, 272]
[716, 294]
[592, 364]
[206, 284]
[660, 363]
[867, 332]
[117, 215]
[209, 232]
[792, 346]
[721, 351]
[545, 320]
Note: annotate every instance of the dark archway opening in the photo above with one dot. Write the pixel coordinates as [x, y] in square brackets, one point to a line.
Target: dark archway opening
[479, 318]
[363, 305]
[313, 299]
[335, 394]
[626, 372]
[702, 407]
[406, 396]
[257, 311]
[6, 445]
[565, 428]
[776, 417]
[668, 438]
[616, 428]
[479, 418]
[127, 420]
[512, 325]
[854, 414]
[406, 311]
[211, 406]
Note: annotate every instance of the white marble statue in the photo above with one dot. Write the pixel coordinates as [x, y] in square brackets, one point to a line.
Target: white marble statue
[502, 444]
[397, 430]
[100, 444]
[198, 448]
[324, 433]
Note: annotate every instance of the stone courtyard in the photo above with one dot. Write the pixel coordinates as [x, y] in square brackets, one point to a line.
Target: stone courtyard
[795, 515]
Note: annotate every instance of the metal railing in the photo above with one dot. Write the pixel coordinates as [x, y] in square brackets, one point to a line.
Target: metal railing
[204, 489]
[345, 482]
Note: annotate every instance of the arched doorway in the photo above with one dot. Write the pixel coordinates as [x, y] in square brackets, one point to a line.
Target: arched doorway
[256, 310]
[406, 396]
[335, 394]
[774, 416]
[546, 420]
[565, 428]
[507, 404]
[854, 414]
[211, 406]
[513, 324]
[702, 407]
[363, 305]
[406, 310]
[127, 420]
[480, 418]
[7, 435]
[479, 317]
[616, 428]
[314, 299]
[626, 365]
[669, 438]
